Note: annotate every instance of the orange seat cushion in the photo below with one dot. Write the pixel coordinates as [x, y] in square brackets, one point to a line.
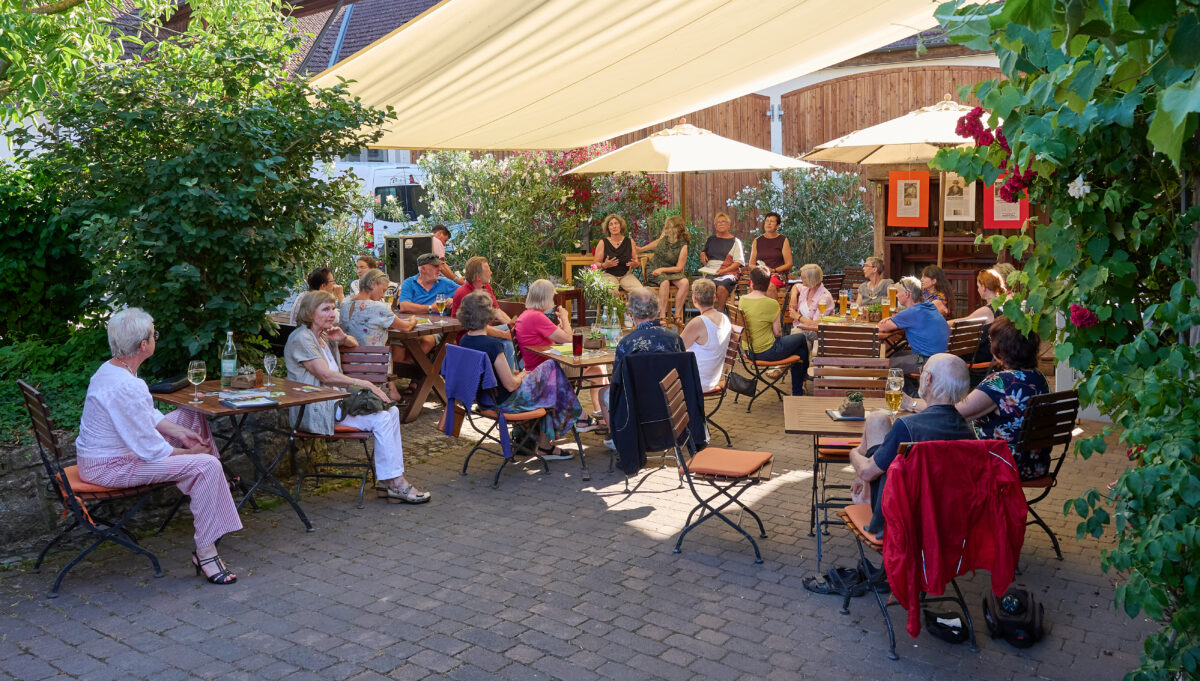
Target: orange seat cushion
[786, 361]
[86, 489]
[858, 516]
[522, 416]
[340, 432]
[1039, 483]
[728, 463]
[840, 442]
[339, 428]
[717, 390]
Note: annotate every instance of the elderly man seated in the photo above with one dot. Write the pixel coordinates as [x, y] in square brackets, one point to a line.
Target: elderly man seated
[419, 292]
[924, 327]
[478, 274]
[648, 335]
[944, 382]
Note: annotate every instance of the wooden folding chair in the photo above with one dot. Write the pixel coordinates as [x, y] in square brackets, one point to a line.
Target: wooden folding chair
[837, 377]
[852, 277]
[730, 472]
[841, 340]
[369, 363]
[1049, 423]
[965, 335]
[717, 394]
[758, 368]
[83, 501]
[833, 283]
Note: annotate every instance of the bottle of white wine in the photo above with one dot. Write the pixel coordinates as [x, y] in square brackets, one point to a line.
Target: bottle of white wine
[228, 360]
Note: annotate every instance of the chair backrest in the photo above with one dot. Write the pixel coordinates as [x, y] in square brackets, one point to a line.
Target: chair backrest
[731, 352]
[367, 362]
[677, 412]
[49, 448]
[837, 376]
[735, 315]
[1049, 422]
[852, 277]
[965, 335]
[839, 340]
[512, 308]
[833, 283]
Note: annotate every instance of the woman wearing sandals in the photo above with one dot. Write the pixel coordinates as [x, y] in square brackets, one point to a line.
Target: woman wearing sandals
[312, 358]
[125, 442]
[667, 264]
[545, 387]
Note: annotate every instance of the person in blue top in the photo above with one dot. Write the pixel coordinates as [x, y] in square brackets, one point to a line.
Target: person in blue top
[418, 292]
[924, 327]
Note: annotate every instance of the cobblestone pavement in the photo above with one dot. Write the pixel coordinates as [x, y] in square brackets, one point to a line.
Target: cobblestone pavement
[547, 577]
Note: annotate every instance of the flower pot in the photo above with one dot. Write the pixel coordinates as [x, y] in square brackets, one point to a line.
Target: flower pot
[593, 343]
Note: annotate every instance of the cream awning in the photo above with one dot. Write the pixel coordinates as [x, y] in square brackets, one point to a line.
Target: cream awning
[557, 74]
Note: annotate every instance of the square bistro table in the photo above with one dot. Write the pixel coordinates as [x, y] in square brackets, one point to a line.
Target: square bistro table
[211, 407]
[589, 358]
[429, 366]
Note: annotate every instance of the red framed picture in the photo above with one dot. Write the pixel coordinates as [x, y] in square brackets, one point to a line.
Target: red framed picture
[1000, 214]
[908, 198]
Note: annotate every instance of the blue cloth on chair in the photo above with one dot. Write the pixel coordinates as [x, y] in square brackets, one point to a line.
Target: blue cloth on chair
[467, 373]
[638, 410]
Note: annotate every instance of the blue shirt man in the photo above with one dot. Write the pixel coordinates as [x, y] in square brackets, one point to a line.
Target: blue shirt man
[924, 327]
[419, 291]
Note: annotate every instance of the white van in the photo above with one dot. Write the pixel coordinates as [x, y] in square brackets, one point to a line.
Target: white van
[398, 183]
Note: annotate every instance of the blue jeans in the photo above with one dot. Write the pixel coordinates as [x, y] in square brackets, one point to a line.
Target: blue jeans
[784, 347]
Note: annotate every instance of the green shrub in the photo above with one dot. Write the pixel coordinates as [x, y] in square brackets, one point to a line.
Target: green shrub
[61, 370]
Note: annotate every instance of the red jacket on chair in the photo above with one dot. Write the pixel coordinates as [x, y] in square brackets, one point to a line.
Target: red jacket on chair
[950, 507]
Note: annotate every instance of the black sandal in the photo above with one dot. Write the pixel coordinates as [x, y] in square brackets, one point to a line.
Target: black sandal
[223, 577]
[553, 453]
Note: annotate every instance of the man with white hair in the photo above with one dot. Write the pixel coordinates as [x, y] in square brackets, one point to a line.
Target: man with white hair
[924, 327]
[944, 382]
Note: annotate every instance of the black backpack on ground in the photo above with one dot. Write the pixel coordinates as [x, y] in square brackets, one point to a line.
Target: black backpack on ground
[1016, 617]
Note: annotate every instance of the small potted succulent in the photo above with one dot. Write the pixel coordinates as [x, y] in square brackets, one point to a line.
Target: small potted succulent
[594, 340]
[853, 406]
[246, 377]
[874, 312]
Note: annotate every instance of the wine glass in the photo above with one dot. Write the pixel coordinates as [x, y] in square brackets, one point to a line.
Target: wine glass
[440, 303]
[269, 366]
[894, 392]
[196, 372]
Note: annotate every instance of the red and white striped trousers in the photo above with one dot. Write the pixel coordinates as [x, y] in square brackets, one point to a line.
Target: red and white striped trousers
[199, 476]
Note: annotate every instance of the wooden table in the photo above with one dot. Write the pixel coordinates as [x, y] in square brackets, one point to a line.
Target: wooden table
[589, 359]
[429, 366]
[289, 396]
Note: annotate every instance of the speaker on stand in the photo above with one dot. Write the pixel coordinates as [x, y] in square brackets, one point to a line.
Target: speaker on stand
[401, 253]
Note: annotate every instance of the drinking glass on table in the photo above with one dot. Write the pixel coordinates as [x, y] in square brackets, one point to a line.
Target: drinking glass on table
[894, 392]
[821, 308]
[854, 312]
[440, 303]
[269, 366]
[195, 375]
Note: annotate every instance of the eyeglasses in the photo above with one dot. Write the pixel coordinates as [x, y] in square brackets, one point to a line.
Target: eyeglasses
[153, 335]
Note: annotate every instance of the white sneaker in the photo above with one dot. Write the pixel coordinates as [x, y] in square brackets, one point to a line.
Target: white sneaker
[585, 426]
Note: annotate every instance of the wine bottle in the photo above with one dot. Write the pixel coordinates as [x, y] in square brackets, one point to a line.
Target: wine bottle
[228, 360]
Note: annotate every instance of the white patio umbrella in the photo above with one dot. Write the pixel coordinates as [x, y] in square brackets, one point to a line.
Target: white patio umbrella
[687, 149]
[914, 137]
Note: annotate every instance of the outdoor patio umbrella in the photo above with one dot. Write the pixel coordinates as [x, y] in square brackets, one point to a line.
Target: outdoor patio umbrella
[912, 138]
[687, 149]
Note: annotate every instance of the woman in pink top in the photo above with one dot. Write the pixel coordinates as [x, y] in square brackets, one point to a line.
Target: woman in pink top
[533, 328]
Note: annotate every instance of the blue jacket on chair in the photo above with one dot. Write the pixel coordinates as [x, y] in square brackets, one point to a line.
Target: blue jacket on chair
[638, 409]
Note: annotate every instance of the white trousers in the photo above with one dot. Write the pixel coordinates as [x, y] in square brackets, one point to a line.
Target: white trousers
[389, 451]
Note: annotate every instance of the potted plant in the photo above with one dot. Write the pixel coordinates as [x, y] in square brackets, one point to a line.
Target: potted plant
[594, 340]
[599, 292]
[873, 312]
[853, 406]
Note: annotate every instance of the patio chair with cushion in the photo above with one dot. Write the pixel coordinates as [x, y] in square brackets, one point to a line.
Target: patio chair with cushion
[1049, 423]
[87, 504]
[369, 363]
[717, 394]
[760, 370]
[729, 472]
[837, 377]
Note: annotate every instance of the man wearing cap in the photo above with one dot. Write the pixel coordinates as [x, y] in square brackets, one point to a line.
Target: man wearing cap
[419, 291]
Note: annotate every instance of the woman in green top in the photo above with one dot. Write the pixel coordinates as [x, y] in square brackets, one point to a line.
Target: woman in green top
[667, 264]
[763, 339]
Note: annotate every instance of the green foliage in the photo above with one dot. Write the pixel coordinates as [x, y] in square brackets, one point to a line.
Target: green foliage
[189, 174]
[1099, 100]
[61, 370]
[336, 246]
[825, 217]
[41, 270]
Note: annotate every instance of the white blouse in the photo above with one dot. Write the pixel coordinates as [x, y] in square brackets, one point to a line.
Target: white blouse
[119, 418]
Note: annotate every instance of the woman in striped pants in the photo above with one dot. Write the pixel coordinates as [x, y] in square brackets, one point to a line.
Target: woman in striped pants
[125, 442]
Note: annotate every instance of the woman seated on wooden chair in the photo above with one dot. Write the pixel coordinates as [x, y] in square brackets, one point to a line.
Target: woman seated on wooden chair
[125, 442]
[763, 331]
[312, 357]
[544, 387]
[367, 319]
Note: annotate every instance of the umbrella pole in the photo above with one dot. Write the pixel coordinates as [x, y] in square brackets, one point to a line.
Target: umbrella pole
[941, 236]
[683, 196]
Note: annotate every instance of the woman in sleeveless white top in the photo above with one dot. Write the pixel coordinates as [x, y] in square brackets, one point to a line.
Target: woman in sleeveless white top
[707, 336]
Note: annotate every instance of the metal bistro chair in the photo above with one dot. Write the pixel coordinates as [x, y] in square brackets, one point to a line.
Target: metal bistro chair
[837, 377]
[369, 363]
[1049, 423]
[717, 394]
[840, 340]
[84, 501]
[725, 469]
[758, 368]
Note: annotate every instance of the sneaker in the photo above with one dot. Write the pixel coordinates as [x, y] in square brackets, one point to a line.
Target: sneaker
[610, 445]
[585, 425]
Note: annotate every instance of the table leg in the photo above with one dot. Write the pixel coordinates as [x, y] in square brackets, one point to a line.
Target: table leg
[431, 376]
[266, 473]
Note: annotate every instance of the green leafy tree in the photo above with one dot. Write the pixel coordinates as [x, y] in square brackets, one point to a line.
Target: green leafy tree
[189, 174]
[1099, 108]
[824, 216]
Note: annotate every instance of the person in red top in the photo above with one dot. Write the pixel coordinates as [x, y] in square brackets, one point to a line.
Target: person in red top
[478, 276]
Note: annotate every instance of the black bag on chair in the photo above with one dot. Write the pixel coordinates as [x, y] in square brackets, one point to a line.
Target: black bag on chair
[359, 402]
[742, 385]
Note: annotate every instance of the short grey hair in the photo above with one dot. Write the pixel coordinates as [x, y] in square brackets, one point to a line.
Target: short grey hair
[540, 295]
[127, 329]
[475, 311]
[307, 306]
[948, 379]
[366, 283]
[643, 304]
[811, 275]
[913, 286]
[704, 291]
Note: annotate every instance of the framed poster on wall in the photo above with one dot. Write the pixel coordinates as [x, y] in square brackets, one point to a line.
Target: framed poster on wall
[908, 202]
[958, 199]
[1001, 214]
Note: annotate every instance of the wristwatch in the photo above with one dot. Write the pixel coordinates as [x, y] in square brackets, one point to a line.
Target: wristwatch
[430, 309]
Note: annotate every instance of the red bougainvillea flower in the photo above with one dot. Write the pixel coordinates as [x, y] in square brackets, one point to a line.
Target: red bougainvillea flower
[1083, 317]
